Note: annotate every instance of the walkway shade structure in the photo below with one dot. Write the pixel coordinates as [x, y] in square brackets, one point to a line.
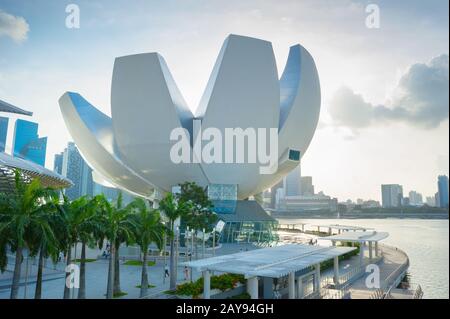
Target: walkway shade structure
[272, 262]
[361, 237]
[9, 108]
[358, 236]
[341, 228]
[30, 170]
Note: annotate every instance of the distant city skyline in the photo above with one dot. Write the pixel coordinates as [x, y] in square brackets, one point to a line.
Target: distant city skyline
[380, 122]
[69, 163]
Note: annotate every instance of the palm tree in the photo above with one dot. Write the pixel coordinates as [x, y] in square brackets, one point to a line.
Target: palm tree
[148, 229]
[117, 226]
[89, 232]
[173, 209]
[47, 249]
[23, 215]
[124, 235]
[79, 220]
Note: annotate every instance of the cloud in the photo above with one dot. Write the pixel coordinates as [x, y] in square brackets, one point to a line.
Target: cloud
[14, 27]
[421, 99]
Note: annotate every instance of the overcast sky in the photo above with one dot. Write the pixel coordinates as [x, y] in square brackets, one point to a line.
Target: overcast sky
[384, 113]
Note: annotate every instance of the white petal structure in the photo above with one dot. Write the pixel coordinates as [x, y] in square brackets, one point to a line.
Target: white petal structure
[131, 150]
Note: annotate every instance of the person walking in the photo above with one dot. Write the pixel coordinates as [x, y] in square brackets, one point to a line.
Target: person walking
[186, 273]
[166, 271]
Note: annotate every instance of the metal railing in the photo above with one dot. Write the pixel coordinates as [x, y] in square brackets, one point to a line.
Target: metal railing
[395, 277]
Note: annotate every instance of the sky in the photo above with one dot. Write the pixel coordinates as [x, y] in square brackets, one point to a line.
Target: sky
[385, 98]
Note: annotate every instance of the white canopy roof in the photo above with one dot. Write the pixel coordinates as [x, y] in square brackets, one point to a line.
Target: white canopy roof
[31, 170]
[360, 236]
[274, 262]
[344, 227]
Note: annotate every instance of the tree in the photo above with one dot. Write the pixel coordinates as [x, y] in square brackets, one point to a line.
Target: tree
[79, 221]
[200, 217]
[148, 229]
[23, 218]
[47, 249]
[89, 233]
[173, 209]
[117, 228]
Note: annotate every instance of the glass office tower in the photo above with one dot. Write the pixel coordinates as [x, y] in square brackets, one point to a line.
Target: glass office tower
[27, 144]
[3, 132]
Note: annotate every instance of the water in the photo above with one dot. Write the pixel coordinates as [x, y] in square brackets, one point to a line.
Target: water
[425, 241]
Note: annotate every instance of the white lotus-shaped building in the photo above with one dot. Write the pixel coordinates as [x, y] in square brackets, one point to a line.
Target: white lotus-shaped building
[131, 149]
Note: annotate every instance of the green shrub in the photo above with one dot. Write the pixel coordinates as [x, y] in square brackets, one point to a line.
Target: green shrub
[243, 295]
[137, 263]
[222, 282]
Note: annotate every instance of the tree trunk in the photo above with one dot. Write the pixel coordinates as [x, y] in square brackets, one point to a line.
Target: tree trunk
[38, 291]
[69, 261]
[16, 275]
[144, 277]
[82, 290]
[109, 289]
[173, 278]
[116, 289]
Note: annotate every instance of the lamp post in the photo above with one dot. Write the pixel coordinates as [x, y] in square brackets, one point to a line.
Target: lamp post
[203, 247]
[177, 247]
[214, 241]
[164, 258]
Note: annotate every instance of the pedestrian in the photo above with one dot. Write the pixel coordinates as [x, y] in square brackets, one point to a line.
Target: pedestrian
[166, 271]
[186, 273]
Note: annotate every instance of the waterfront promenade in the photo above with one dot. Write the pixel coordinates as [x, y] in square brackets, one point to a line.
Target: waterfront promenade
[392, 267]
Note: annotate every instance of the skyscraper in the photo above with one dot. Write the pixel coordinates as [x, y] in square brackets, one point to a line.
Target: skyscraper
[443, 191]
[27, 144]
[76, 169]
[391, 195]
[415, 198]
[291, 183]
[58, 163]
[3, 132]
[306, 186]
[431, 201]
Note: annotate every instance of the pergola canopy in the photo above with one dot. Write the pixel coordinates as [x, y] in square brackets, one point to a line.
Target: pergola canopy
[359, 236]
[9, 108]
[344, 227]
[30, 170]
[273, 262]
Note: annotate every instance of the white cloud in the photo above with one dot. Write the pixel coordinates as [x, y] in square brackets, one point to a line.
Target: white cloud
[422, 99]
[14, 27]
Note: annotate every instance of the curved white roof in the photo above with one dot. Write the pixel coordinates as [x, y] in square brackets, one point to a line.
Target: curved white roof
[31, 170]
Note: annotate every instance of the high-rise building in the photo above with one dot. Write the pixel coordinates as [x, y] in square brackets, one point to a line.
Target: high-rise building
[273, 193]
[76, 169]
[391, 195]
[436, 200]
[58, 163]
[306, 186]
[291, 183]
[27, 144]
[431, 201]
[3, 132]
[415, 198]
[111, 193]
[443, 191]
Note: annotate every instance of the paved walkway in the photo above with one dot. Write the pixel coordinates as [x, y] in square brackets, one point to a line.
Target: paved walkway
[393, 260]
[96, 277]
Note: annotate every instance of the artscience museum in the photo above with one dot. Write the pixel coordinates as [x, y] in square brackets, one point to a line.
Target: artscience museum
[131, 149]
